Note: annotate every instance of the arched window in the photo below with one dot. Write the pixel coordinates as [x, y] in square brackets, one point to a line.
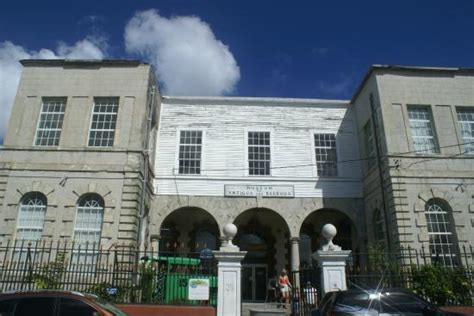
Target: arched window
[89, 216]
[378, 226]
[443, 242]
[31, 216]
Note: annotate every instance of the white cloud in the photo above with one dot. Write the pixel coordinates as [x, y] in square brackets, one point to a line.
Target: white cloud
[189, 60]
[10, 67]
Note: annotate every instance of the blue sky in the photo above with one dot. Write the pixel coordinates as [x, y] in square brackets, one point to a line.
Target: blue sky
[308, 49]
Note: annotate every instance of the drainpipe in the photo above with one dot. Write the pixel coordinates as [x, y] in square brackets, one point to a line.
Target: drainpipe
[379, 164]
[146, 172]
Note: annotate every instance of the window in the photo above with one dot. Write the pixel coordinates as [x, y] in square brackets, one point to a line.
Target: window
[369, 144]
[190, 150]
[50, 122]
[104, 118]
[31, 217]
[73, 307]
[466, 126]
[259, 153]
[325, 151]
[88, 227]
[33, 305]
[422, 129]
[378, 226]
[443, 247]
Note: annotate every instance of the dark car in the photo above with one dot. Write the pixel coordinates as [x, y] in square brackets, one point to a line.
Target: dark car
[375, 302]
[55, 303]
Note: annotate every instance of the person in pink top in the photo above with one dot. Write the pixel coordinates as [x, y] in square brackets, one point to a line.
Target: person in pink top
[285, 286]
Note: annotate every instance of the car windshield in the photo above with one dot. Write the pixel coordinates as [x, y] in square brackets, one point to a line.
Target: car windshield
[356, 302]
[385, 302]
[110, 307]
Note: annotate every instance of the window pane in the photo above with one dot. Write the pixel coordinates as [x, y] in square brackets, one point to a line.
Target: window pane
[104, 117]
[259, 155]
[440, 231]
[190, 152]
[325, 151]
[50, 122]
[31, 217]
[369, 144]
[466, 127]
[88, 229]
[422, 130]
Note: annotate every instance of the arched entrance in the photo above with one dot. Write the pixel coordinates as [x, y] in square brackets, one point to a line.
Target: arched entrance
[188, 229]
[264, 235]
[310, 233]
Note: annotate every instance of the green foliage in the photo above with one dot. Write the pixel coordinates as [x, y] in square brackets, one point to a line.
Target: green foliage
[147, 282]
[50, 274]
[442, 285]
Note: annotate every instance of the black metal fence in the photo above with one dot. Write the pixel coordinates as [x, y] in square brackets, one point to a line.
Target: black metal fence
[420, 270]
[119, 274]
[375, 269]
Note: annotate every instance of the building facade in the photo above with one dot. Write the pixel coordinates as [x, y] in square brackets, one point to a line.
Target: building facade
[94, 154]
[73, 158]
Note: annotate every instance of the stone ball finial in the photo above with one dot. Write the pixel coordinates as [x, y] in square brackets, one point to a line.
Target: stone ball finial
[229, 230]
[329, 231]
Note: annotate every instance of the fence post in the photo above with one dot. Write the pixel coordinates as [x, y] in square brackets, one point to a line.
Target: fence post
[332, 260]
[229, 268]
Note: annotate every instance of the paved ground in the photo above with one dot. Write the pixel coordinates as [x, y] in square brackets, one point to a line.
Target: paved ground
[465, 310]
[262, 306]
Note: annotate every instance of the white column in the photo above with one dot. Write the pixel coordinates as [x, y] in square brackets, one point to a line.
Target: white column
[229, 269]
[333, 269]
[295, 260]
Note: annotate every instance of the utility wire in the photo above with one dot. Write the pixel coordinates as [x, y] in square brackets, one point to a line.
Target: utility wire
[362, 159]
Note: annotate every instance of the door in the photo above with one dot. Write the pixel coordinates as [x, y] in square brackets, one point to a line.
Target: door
[254, 282]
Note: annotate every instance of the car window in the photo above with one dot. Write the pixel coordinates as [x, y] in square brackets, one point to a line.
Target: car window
[110, 307]
[353, 302]
[74, 307]
[402, 303]
[7, 307]
[43, 306]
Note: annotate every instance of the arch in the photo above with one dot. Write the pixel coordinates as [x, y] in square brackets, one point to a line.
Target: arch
[31, 216]
[40, 187]
[265, 235]
[441, 232]
[346, 237]
[102, 190]
[188, 229]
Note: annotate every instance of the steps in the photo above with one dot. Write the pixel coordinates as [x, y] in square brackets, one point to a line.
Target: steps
[264, 309]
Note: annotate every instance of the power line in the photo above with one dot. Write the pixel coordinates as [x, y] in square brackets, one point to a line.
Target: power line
[361, 159]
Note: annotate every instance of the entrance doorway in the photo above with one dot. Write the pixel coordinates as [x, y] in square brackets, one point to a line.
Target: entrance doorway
[254, 282]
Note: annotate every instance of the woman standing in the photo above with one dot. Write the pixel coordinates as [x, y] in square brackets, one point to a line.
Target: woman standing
[285, 286]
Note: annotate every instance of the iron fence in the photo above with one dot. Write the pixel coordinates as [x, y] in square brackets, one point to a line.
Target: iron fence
[408, 268]
[120, 274]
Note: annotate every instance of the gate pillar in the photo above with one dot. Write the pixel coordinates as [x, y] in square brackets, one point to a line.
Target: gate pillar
[229, 257]
[332, 261]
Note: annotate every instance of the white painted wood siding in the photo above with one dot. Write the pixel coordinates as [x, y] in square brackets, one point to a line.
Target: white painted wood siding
[224, 159]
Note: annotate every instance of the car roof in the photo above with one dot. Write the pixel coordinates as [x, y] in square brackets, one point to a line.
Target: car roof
[47, 292]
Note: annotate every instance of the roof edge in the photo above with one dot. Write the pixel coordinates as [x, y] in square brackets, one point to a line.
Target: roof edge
[251, 100]
[422, 69]
[81, 62]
